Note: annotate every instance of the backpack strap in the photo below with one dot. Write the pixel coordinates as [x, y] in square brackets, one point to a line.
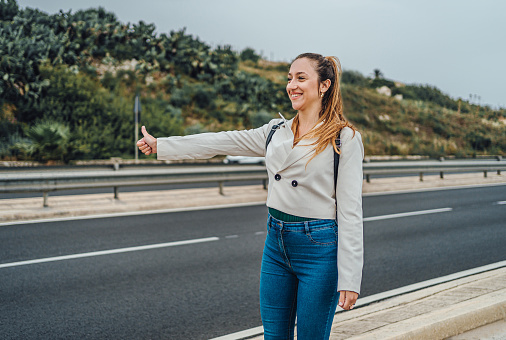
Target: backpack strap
[271, 133]
[336, 161]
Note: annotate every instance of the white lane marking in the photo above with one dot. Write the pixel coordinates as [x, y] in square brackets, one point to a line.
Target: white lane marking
[260, 233]
[501, 202]
[248, 333]
[406, 214]
[135, 213]
[108, 252]
[409, 191]
[171, 244]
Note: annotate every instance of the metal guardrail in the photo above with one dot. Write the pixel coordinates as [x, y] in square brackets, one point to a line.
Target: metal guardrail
[424, 167]
[48, 181]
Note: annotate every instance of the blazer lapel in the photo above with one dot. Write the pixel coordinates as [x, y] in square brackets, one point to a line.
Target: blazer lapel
[301, 150]
[291, 154]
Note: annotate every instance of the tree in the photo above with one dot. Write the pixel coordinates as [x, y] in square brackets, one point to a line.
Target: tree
[249, 54]
[377, 73]
[8, 10]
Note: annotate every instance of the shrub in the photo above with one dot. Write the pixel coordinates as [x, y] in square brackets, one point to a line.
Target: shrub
[50, 140]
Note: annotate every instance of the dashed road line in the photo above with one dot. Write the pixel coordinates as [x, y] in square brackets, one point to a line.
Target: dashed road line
[407, 214]
[201, 240]
[108, 252]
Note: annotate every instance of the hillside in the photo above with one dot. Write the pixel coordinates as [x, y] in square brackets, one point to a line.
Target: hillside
[68, 81]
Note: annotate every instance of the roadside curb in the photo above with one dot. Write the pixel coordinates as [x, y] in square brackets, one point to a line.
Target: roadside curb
[434, 309]
[449, 322]
[436, 312]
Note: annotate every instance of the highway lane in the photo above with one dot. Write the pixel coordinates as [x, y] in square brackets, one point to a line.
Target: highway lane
[209, 289]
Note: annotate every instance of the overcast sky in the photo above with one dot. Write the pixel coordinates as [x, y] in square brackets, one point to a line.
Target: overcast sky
[458, 46]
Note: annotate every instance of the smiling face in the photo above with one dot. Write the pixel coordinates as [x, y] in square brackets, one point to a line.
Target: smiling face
[303, 87]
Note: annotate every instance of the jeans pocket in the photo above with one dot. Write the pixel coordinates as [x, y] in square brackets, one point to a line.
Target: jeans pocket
[324, 236]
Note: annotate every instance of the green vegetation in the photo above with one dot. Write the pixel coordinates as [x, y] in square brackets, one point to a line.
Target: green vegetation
[67, 83]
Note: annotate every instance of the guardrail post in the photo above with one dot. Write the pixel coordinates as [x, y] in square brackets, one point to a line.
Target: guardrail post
[220, 185]
[498, 172]
[115, 163]
[264, 182]
[116, 193]
[368, 178]
[441, 174]
[485, 173]
[421, 176]
[45, 196]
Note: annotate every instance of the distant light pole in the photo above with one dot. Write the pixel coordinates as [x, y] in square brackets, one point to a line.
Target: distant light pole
[137, 115]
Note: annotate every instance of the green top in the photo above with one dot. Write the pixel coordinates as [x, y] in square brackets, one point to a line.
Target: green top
[279, 215]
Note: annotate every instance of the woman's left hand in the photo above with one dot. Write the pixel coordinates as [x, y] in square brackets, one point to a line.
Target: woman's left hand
[347, 299]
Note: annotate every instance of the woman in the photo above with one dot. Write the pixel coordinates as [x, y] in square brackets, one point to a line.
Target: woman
[301, 274]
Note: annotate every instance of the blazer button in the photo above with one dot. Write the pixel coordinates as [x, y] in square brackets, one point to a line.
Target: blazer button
[277, 177]
[294, 183]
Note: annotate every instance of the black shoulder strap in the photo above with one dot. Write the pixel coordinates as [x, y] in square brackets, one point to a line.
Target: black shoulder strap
[271, 133]
[336, 160]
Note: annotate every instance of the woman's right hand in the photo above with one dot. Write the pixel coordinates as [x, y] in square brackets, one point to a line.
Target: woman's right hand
[147, 144]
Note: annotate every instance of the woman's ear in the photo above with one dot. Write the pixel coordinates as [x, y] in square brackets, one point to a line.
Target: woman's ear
[325, 85]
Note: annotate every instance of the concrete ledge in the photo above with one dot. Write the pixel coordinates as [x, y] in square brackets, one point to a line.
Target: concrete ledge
[432, 313]
[445, 322]
[492, 331]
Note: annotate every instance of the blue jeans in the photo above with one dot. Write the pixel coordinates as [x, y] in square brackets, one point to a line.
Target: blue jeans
[299, 278]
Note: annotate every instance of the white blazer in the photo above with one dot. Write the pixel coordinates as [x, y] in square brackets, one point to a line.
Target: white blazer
[302, 189]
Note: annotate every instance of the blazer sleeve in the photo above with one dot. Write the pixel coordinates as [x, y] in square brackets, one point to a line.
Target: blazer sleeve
[350, 253]
[207, 145]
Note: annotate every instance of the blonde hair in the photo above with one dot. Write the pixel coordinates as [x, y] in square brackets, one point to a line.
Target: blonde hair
[331, 114]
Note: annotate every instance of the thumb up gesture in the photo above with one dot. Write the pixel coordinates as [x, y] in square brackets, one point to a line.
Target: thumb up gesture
[147, 144]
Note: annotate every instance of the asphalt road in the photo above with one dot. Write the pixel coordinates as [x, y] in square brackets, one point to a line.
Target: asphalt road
[210, 288]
